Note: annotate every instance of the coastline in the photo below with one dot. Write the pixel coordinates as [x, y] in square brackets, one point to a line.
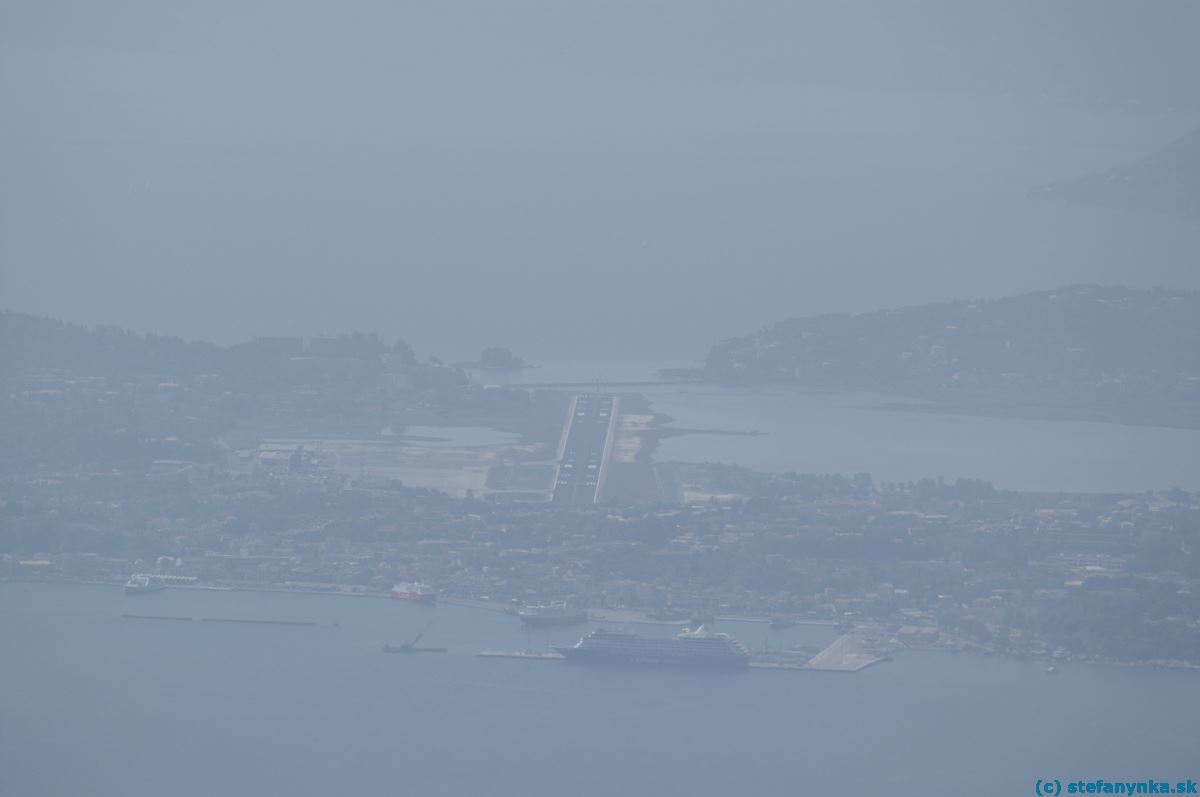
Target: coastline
[638, 616]
[986, 405]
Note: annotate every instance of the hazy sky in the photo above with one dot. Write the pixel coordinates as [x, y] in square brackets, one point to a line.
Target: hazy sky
[608, 178]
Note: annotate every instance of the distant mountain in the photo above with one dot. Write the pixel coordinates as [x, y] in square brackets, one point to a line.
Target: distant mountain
[1082, 344]
[30, 344]
[1166, 182]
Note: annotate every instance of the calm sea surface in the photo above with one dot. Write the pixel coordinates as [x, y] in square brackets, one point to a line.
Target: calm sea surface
[823, 433]
[91, 703]
[853, 433]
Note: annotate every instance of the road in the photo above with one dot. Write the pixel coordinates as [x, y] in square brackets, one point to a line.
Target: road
[583, 458]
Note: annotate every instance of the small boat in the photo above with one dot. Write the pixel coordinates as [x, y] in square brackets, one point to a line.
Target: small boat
[1051, 670]
[140, 584]
[411, 647]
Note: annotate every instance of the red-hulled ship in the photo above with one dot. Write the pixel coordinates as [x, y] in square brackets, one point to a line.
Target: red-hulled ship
[414, 591]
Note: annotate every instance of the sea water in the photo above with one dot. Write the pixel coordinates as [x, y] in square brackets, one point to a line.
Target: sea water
[94, 703]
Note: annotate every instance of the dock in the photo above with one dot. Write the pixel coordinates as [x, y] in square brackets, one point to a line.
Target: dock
[129, 616]
[844, 654]
[520, 654]
[255, 622]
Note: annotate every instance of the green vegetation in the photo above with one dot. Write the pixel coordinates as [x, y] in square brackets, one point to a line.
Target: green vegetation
[1167, 181]
[104, 468]
[529, 476]
[629, 483]
[1091, 352]
[501, 359]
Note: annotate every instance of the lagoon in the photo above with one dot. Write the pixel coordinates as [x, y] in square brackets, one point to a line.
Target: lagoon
[891, 438]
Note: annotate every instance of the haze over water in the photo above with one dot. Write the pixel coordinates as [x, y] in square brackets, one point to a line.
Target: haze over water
[889, 437]
[607, 181]
[606, 189]
[202, 708]
[856, 434]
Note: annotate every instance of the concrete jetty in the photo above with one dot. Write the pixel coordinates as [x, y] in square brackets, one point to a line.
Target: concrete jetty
[520, 654]
[129, 616]
[256, 622]
[844, 654]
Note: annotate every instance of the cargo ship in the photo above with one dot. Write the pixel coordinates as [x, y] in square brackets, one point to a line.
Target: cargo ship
[698, 649]
[413, 591]
[537, 616]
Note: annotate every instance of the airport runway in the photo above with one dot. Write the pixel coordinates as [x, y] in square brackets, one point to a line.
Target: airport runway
[579, 475]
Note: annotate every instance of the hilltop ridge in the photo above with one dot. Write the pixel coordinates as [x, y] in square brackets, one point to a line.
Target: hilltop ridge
[1166, 181]
[1081, 346]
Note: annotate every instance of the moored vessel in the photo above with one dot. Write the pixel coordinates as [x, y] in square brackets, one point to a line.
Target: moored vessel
[140, 584]
[414, 591]
[411, 647]
[698, 649]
